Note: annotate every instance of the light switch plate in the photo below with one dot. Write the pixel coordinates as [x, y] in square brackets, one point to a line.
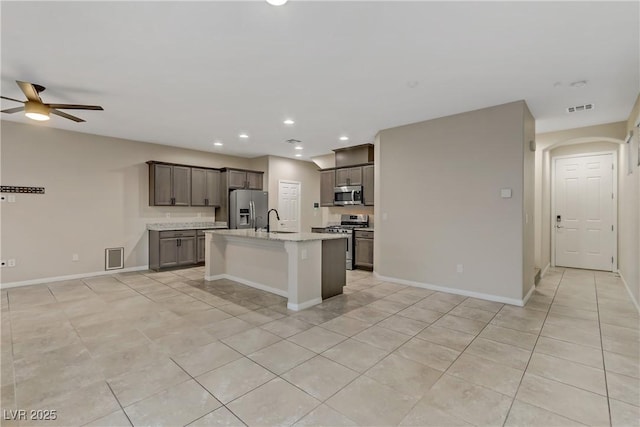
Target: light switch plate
[505, 193]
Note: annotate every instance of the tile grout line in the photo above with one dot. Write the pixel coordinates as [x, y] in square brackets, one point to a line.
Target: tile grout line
[119, 404]
[533, 349]
[604, 364]
[224, 405]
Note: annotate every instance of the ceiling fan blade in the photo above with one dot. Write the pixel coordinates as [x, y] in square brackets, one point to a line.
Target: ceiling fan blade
[75, 106]
[66, 116]
[11, 99]
[12, 110]
[30, 91]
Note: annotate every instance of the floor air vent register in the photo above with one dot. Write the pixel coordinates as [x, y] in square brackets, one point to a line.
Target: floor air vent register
[113, 258]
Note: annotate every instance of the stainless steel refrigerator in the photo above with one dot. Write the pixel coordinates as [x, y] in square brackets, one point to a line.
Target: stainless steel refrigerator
[248, 208]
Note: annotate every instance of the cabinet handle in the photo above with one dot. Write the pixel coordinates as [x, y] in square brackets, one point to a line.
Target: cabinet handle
[173, 200]
[179, 242]
[206, 202]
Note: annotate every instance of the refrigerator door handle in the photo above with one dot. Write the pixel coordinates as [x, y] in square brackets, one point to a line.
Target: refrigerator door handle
[252, 213]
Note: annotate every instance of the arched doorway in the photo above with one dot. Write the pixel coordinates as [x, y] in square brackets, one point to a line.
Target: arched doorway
[585, 147]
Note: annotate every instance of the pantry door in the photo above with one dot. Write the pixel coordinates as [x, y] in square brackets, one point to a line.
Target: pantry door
[289, 205]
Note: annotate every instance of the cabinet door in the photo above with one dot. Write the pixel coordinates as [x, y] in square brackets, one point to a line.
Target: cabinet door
[213, 188]
[181, 185]
[343, 177]
[327, 183]
[168, 252]
[355, 176]
[367, 184]
[254, 180]
[199, 187]
[364, 252]
[162, 175]
[187, 250]
[236, 179]
[200, 249]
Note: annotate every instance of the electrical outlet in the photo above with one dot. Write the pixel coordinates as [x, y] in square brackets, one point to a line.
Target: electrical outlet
[459, 268]
[11, 263]
[385, 216]
[12, 198]
[168, 215]
[199, 214]
[75, 257]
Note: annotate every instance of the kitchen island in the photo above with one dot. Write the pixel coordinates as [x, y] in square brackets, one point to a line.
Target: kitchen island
[303, 267]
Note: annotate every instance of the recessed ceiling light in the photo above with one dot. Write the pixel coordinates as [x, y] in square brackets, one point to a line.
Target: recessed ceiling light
[218, 144]
[288, 122]
[579, 83]
[413, 83]
[344, 138]
[276, 2]
[298, 147]
[243, 135]
[298, 155]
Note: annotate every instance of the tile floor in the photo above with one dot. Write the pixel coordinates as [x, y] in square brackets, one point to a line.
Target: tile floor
[170, 349]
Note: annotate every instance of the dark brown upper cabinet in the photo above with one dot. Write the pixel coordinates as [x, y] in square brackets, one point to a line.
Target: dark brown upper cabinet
[327, 184]
[367, 184]
[348, 176]
[169, 185]
[205, 187]
[243, 179]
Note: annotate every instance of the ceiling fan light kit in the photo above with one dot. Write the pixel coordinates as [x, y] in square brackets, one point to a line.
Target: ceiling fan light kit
[36, 111]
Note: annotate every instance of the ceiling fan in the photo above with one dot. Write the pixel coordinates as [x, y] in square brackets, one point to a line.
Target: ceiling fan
[37, 110]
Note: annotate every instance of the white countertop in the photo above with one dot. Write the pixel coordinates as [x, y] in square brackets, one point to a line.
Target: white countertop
[286, 237]
[164, 226]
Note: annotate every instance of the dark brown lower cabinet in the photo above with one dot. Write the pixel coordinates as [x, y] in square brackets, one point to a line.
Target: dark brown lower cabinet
[363, 249]
[171, 248]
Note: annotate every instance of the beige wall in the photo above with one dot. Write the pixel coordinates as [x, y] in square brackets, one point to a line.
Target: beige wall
[438, 201]
[307, 174]
[629, 210]
[528, 193]
[96, 198]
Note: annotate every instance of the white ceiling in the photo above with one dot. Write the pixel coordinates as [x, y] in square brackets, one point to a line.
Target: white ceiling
[189, 73]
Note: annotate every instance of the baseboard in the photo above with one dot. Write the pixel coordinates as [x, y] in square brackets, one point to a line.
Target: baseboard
[528, 295]
[629, 292]
[306, 304]
[71, 277]
[544, 270]
[248, 283]
[488, 297]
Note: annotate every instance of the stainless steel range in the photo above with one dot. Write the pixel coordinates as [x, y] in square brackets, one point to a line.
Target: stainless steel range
[347, 224]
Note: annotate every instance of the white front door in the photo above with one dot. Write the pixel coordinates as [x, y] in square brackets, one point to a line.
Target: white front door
[289, 205]
[583, 216]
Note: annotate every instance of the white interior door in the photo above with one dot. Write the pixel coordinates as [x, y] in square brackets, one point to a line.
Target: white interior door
[289, 205]
[583, 216]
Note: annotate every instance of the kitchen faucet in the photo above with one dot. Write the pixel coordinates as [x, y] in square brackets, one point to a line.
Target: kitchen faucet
[269, 216]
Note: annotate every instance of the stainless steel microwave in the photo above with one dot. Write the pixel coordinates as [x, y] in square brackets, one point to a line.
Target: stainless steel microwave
[347, 195]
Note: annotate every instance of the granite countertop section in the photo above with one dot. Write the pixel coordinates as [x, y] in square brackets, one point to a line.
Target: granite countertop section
[285, 237]
[166, 226]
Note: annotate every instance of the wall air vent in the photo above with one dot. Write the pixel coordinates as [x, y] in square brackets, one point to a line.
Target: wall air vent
[578, 108]
[113, 258]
